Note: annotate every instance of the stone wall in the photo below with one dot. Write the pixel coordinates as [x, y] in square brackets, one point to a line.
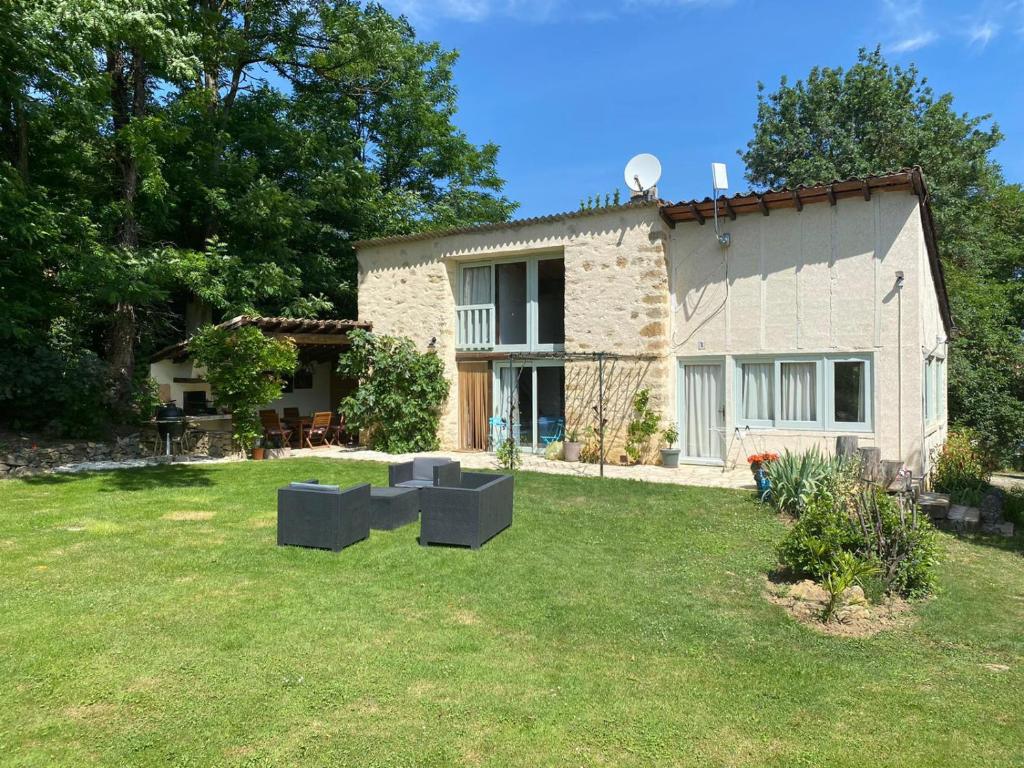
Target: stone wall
[616, 300]
[23, 457]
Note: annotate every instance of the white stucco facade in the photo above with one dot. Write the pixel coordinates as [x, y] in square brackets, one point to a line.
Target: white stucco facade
[819, 284]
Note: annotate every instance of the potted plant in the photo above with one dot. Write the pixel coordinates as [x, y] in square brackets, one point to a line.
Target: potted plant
[670, 455]
[759, 460]
[257, 450]
[572, 446]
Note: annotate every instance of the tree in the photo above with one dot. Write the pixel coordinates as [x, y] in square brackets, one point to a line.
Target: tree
[400, 394]
[875, 118]
[245, 370]
[156, 152]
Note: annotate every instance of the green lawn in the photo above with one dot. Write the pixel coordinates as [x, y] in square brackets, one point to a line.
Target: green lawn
[614, 624]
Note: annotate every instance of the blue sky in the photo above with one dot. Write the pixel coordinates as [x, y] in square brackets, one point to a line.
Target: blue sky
[571, 89]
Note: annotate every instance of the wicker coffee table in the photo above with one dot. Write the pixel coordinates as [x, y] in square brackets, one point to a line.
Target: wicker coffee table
[392, 508]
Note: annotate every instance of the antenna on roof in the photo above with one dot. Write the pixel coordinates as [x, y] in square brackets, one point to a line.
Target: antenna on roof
[719, 183]
[642, 174]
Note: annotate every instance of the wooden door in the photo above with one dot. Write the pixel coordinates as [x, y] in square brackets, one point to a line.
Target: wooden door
[474, 405]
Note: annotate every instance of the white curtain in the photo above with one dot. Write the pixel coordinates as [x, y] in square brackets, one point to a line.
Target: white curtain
[476, 285]
[757, 390]
[799, 392]
[702, 395]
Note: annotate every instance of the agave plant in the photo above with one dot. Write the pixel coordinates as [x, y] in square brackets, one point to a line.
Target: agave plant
[797, 478]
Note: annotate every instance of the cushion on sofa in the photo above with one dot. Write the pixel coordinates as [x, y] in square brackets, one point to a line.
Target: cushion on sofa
[313, 487]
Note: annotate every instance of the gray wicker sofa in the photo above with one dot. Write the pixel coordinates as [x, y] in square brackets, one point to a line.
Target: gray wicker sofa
[322, 516]
[469, 513]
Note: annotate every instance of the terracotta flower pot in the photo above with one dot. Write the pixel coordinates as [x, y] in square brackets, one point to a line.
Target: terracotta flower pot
[257, 454]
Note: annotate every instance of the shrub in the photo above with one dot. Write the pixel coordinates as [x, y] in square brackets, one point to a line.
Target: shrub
[57, 385]
[554, 451]
[643, 426]
[845, 571]
[1013, 505]
[509, 455]
[872, 527]
[400, 394]
[962, 469]
[670, 435]
[798, 478]
[245, 370]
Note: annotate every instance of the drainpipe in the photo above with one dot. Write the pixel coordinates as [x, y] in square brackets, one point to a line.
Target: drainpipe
[899, 366]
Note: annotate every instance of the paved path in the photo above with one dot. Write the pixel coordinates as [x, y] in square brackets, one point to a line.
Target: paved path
[711, 477]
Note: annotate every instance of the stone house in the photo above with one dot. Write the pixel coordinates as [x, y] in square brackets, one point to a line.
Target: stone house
[825, 314]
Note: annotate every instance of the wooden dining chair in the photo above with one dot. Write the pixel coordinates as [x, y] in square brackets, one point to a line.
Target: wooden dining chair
[291, 413]
[273, 429]
[320, 429]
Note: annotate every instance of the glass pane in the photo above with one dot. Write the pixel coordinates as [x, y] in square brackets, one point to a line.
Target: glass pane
[508, 408]
[476, 285]
[849, 392]
[551, 301]
[525, 399]
[929, 390]
[799, 392]
[758, 396]
[510, 302]
[550, 405]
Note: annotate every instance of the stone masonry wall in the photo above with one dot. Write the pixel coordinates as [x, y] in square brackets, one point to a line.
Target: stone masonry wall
[616, 301]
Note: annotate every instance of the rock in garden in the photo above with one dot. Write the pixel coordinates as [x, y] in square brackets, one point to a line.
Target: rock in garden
[808, 591]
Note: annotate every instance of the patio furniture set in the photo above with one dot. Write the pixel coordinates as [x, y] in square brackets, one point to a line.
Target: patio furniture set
[295, 430]
[454, 507]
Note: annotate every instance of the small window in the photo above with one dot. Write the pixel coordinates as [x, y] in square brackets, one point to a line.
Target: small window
[303, 378]
[849, 391]
[799, 392]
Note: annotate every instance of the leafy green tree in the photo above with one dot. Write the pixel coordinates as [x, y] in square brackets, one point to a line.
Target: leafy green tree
[874, 118]
[245, 370]
[157, 152]
[400, 394]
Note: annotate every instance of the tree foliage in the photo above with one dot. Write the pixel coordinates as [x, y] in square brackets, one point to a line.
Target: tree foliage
[245, 370]
[400, 394]
[874, 118]
[158, 151]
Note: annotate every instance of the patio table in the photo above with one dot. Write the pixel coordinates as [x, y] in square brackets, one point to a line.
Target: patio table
[300, 425]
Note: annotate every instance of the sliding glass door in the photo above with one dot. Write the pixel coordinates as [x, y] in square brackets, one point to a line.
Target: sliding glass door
[529, 400]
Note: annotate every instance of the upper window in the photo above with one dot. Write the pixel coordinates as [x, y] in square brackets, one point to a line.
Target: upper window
[805, 392]
[517, 304]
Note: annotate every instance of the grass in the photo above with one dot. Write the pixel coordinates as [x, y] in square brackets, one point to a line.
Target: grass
[147, 618]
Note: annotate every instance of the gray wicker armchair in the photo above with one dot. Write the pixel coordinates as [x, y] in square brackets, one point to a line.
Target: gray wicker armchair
[322, 516]
[468, 514]
[424, 472]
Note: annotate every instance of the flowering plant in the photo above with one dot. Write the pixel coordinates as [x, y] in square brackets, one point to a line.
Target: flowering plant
[762, 458]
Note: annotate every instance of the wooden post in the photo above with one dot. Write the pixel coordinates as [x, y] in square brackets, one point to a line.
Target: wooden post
[871, 460]
[846, 446]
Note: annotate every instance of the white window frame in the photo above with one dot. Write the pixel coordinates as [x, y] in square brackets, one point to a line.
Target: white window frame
[868, 394]
[824, 374]
[818, 395]
[533, 365]
[738, 392]
[532, 300]
[933, 386]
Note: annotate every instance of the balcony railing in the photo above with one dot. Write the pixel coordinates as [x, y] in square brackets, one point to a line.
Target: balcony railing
[475, 323]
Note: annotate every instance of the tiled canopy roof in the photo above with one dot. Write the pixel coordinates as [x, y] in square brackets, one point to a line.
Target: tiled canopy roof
[279, 325]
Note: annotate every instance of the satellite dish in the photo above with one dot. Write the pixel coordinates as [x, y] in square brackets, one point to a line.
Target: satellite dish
[642, 172]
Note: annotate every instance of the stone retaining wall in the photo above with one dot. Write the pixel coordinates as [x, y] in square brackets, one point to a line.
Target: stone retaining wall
[23, 457]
